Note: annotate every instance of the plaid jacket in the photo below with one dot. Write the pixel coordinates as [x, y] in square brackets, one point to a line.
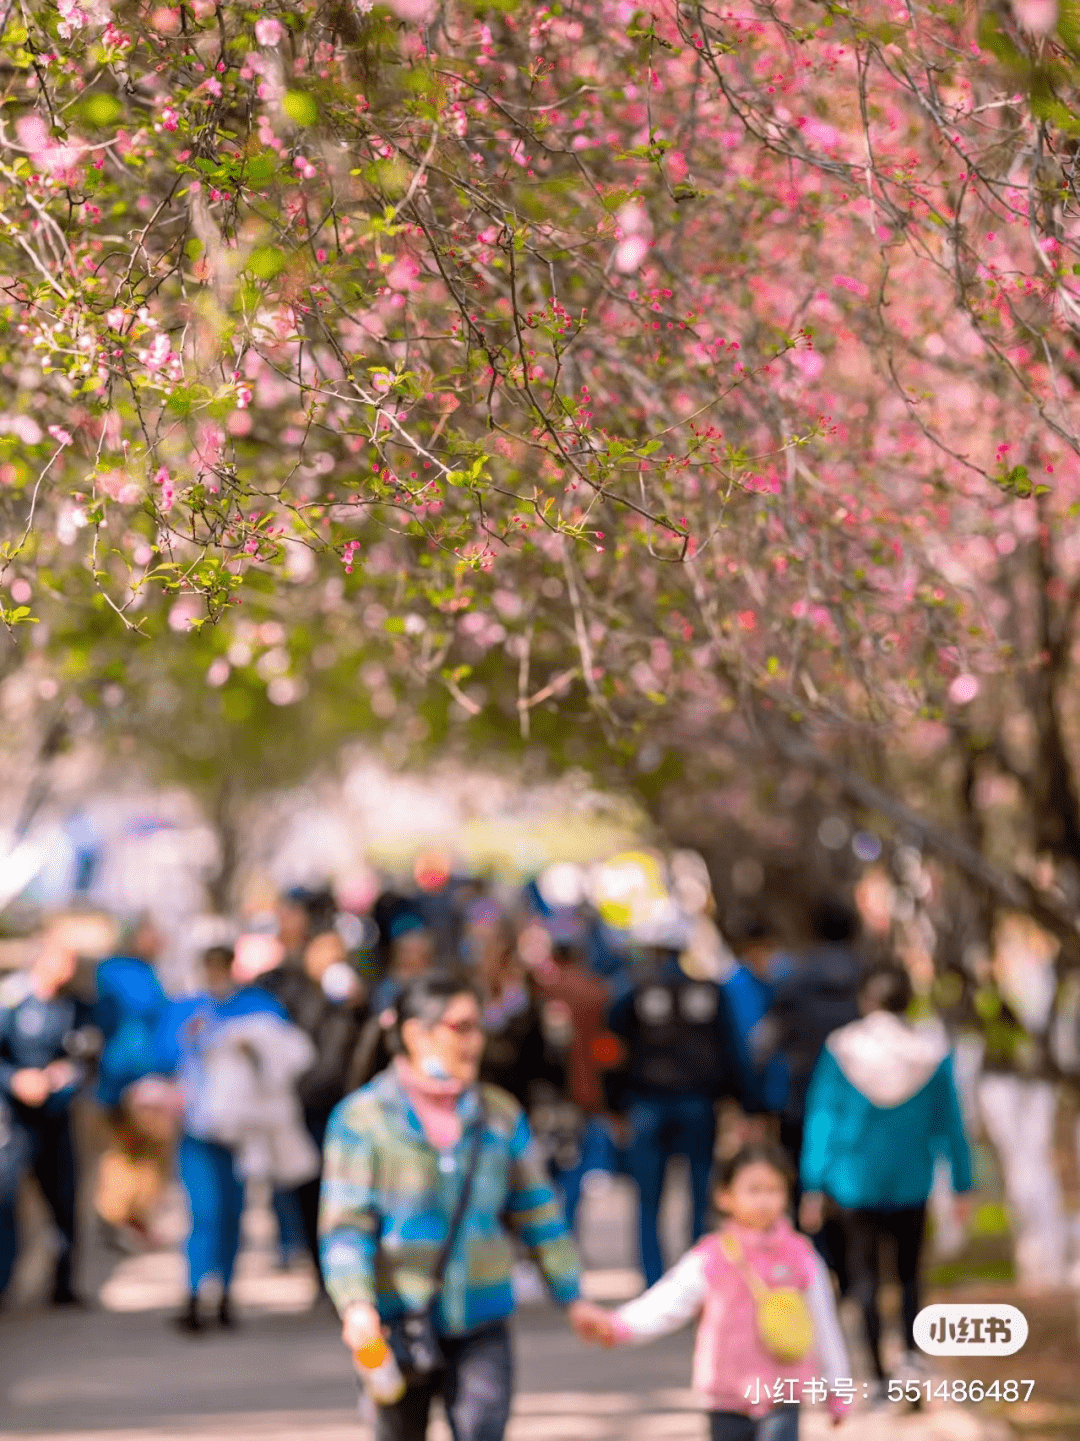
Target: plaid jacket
[388, 1196]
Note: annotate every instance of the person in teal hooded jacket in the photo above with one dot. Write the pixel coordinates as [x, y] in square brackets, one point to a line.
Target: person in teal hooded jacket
[882, 1107]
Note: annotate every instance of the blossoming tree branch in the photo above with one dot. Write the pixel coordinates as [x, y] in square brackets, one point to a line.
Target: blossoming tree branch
[698, 366]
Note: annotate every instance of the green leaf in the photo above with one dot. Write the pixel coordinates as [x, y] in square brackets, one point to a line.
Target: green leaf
[101, 109]
[19, 616]
[267, 261]
[260, 169]
[300, 107]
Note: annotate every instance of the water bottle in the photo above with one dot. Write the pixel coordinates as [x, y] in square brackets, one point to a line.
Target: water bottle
[382, 1376]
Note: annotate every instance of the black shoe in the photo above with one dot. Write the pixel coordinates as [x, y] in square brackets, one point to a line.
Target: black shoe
[189, 1320]
[64, 1296]
[225, 1315]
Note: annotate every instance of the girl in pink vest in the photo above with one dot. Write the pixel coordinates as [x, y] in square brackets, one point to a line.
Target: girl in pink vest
[750, 1394]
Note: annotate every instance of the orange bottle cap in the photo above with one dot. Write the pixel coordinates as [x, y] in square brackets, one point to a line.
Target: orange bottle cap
[372, 1353]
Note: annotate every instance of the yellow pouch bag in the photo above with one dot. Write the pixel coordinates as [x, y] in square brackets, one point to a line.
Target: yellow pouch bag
[784, 1324]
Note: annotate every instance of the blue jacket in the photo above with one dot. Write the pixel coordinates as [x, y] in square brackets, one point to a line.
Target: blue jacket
[881, 1108]
[750, 998]
[188, 1024]
[33, 1034]
[130, 1006]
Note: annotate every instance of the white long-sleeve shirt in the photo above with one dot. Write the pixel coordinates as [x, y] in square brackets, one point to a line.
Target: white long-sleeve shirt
[679, 1296]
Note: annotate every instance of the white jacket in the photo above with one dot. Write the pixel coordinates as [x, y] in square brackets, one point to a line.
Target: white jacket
[248, 1100]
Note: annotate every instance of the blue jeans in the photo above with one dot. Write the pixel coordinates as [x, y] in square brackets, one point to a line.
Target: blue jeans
[476, 1387]
[662, 1127]
[291, 1234]
[216, 1196]
[781, 1424]
[597, 1154]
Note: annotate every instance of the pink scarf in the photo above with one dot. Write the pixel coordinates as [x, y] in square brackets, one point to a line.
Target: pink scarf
[435, 1104]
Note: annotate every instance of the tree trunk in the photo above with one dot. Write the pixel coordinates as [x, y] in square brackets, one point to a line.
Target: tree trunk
[1018, 1116]
[1055, 804]
[220, 886]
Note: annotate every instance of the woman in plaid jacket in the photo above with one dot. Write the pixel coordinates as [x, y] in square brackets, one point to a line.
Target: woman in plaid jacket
[397, 1152]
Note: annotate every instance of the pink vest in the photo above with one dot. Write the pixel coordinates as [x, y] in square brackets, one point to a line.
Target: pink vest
[729, 1359]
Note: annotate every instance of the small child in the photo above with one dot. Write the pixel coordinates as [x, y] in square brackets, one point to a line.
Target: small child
[761, 1292]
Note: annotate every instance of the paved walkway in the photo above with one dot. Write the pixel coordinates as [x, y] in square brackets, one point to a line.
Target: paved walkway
[118, 1372]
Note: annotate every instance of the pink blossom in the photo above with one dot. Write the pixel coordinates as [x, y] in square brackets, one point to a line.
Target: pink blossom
[60, 435]
[33, 133]
[72, 17]
[1038, 17]
[115, 318]
[630, 253]
[818, 133]
[402, 275]
[964, 689]
[417, 10]
[51, 158]
[184, 612]
[25, 427]
[119, 485]
[809, 362]
[170, 118]
[166, 21]
[633, 219]
[158, 352]
[268, 31]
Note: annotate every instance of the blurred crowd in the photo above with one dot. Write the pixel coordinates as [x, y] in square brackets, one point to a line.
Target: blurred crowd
[622, 1047]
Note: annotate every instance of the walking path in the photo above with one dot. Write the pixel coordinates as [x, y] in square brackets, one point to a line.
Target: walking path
[118, 1372]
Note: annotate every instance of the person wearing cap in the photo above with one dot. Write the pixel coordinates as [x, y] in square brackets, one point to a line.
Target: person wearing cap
[683, 1053]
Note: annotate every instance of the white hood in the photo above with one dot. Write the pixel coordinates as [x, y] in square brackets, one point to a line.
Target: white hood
[886, 1059]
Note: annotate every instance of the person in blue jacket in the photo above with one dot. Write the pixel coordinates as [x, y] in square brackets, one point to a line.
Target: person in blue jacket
[130, 1005]
[43, 1036]
[129, 1008]
[207, 1170]
[750, 988]
[882, 1106]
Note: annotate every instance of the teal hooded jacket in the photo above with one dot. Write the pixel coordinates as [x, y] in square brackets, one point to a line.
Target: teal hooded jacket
[881, 1109]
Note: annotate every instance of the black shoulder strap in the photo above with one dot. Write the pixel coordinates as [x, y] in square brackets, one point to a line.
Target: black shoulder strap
[464, 1197]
